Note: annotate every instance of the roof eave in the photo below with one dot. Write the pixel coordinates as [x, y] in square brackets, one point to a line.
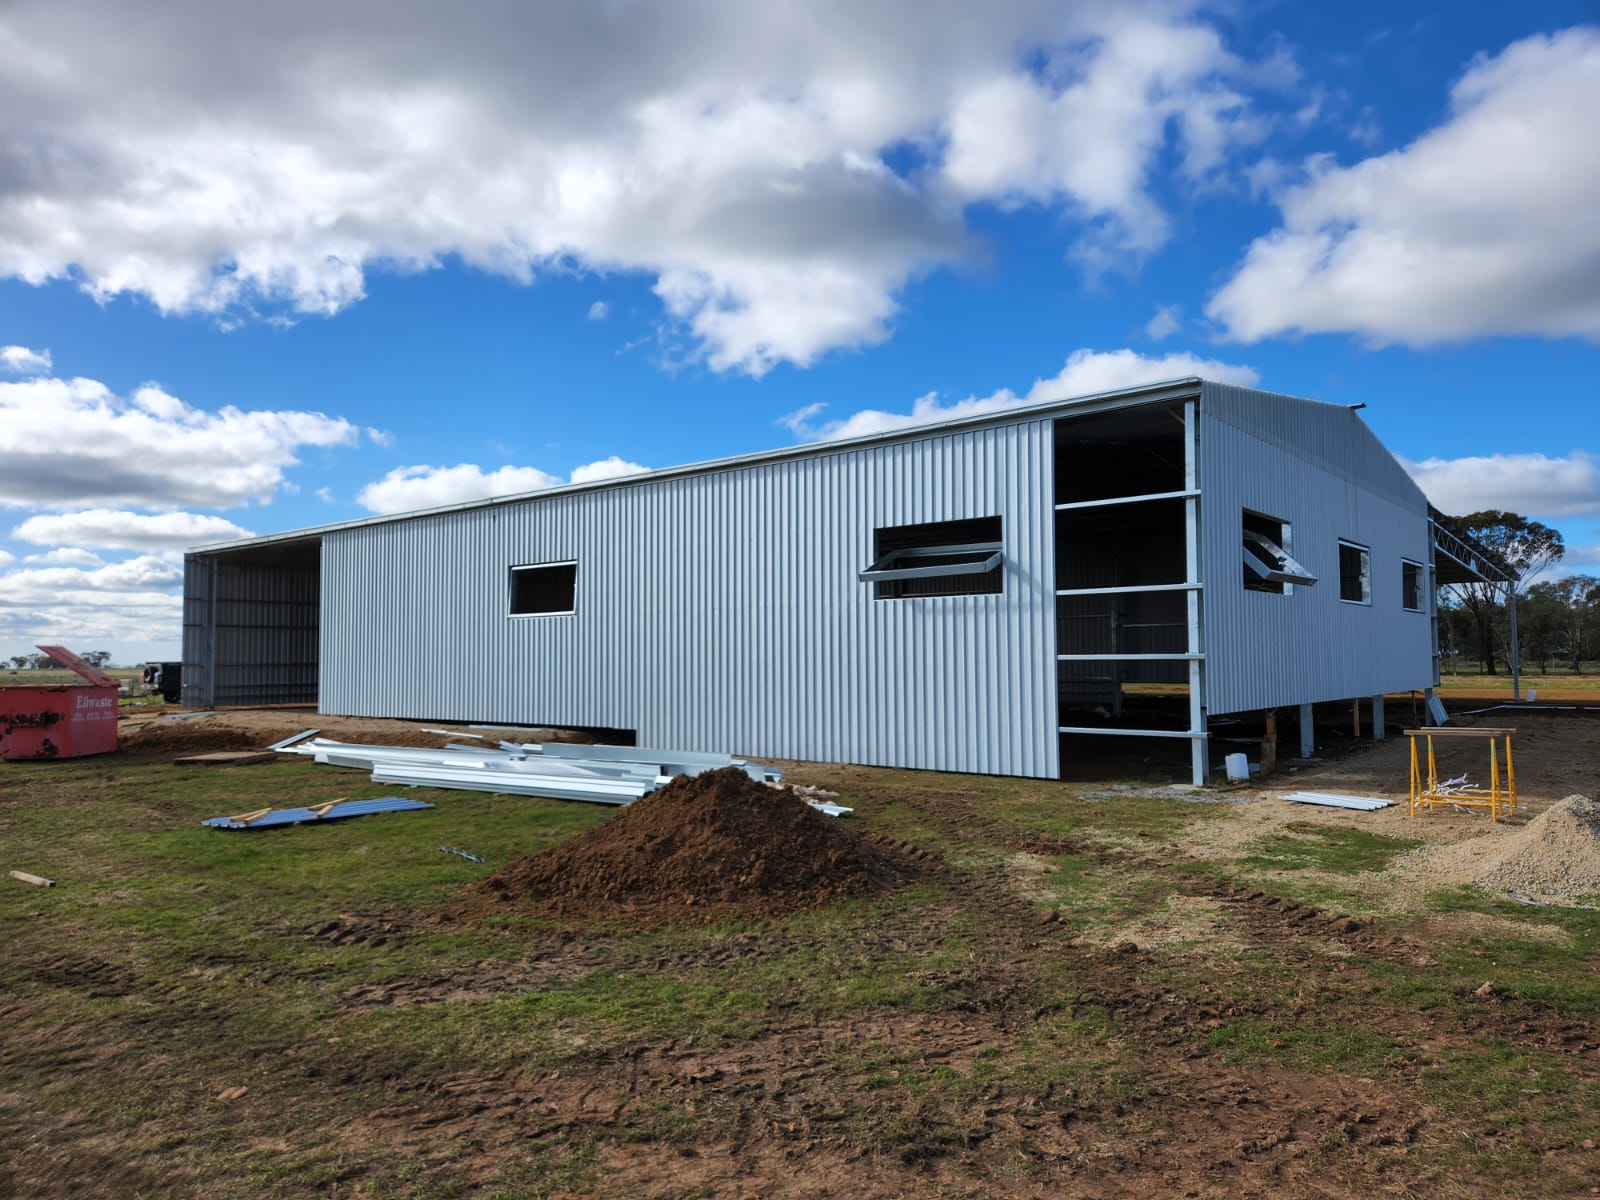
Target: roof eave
[1180, 388]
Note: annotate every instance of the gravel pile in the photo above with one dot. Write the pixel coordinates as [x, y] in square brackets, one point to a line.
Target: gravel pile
[1554, 858]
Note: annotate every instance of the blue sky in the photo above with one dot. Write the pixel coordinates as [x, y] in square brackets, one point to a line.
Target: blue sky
[262, 268]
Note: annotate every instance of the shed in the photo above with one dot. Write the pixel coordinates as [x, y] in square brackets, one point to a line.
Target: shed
[992, 594]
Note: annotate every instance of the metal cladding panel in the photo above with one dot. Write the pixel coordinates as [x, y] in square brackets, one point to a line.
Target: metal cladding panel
[197, 576]
[1330, 437]
[721, 611]
[1268, 651]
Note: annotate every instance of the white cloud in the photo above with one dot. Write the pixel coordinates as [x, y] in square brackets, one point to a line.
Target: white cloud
[325, 495]
[781, 170]
[67, 442]
[110, 529]
[147, 572]
[66, 556]
[406, 488]
[135, 601]
[1086, 373]
[19, 360]
[1534, 485]
[1484, 225]
[1167, 321]
[1088, 137]
[599, 311]
[7, 558]
[606, 468]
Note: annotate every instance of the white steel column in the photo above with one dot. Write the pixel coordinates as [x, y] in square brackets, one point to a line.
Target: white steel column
[1377, 718]
[1199, 750]
[1308, 732]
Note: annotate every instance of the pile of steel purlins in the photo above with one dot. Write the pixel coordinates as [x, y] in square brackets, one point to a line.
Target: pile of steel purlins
[558, 770]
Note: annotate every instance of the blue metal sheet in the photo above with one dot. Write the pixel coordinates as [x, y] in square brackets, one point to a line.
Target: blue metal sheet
[297, 816]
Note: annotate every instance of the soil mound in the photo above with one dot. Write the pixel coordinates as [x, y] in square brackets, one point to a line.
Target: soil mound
[1554, 858]
[252, 730]
[700, 848]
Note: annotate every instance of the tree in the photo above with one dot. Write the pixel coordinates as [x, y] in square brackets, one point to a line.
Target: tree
[1573, 605]
[97, 658]
[1524, 547]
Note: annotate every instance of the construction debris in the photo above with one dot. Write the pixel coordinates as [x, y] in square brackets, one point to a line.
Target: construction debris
[225, 758]
[333, 810]
[1338, 800]
[460, 854]
[38, 880]
[558, 770]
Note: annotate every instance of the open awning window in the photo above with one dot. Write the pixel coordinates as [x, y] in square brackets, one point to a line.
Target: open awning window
[942, 558]
[1267, 561]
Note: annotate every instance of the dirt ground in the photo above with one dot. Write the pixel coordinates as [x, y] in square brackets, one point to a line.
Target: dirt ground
[1089, 993]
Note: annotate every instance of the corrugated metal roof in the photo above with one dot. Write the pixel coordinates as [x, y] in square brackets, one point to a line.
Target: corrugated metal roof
[1150, 393]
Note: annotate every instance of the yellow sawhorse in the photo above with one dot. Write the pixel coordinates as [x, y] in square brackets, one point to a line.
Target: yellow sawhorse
[1425, 790]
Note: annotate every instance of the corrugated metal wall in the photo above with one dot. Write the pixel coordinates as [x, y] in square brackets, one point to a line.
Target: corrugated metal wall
[1318, 467]
[721, 611]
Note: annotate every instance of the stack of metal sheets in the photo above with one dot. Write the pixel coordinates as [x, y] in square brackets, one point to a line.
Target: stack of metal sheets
[559, 770]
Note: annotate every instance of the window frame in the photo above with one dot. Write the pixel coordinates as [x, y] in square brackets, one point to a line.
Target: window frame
[1422, 586]
[1268, 558]
[1365, 599]
[901, 564]
[511, 588]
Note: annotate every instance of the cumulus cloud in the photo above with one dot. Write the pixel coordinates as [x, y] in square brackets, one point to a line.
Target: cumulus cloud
[780, 170]
[19, 360]
[111, 529]
[131, 601]
[1484, 225]
[406, 488]
[70, 556]
[7, 558]
[1086, 372]
[1535, 485]
[111, 583]
[67, 442]
[606, 468]
[599, 311]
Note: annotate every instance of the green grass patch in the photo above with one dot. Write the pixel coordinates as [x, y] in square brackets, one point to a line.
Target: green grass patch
[1329, 849]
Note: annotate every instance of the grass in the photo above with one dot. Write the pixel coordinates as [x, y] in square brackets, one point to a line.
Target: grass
[1329, 849]
[926, 1033]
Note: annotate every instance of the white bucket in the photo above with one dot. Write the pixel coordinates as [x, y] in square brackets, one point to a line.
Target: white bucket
[1238, 768]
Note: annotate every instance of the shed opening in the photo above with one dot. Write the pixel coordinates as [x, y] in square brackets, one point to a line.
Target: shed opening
[1411, 585]
[251, 624]
[938, 558]
[546, 589]
[1268, 565]
[1355, 573]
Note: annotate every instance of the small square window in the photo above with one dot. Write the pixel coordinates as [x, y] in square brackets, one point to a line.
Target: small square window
[941, 558]
[1410, 585]
[1355, 573]
[1268, 565]
[544, 589]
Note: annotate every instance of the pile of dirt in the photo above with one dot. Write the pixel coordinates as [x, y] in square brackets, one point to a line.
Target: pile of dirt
[700, 848]
[253, 730]
[1554, 858]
